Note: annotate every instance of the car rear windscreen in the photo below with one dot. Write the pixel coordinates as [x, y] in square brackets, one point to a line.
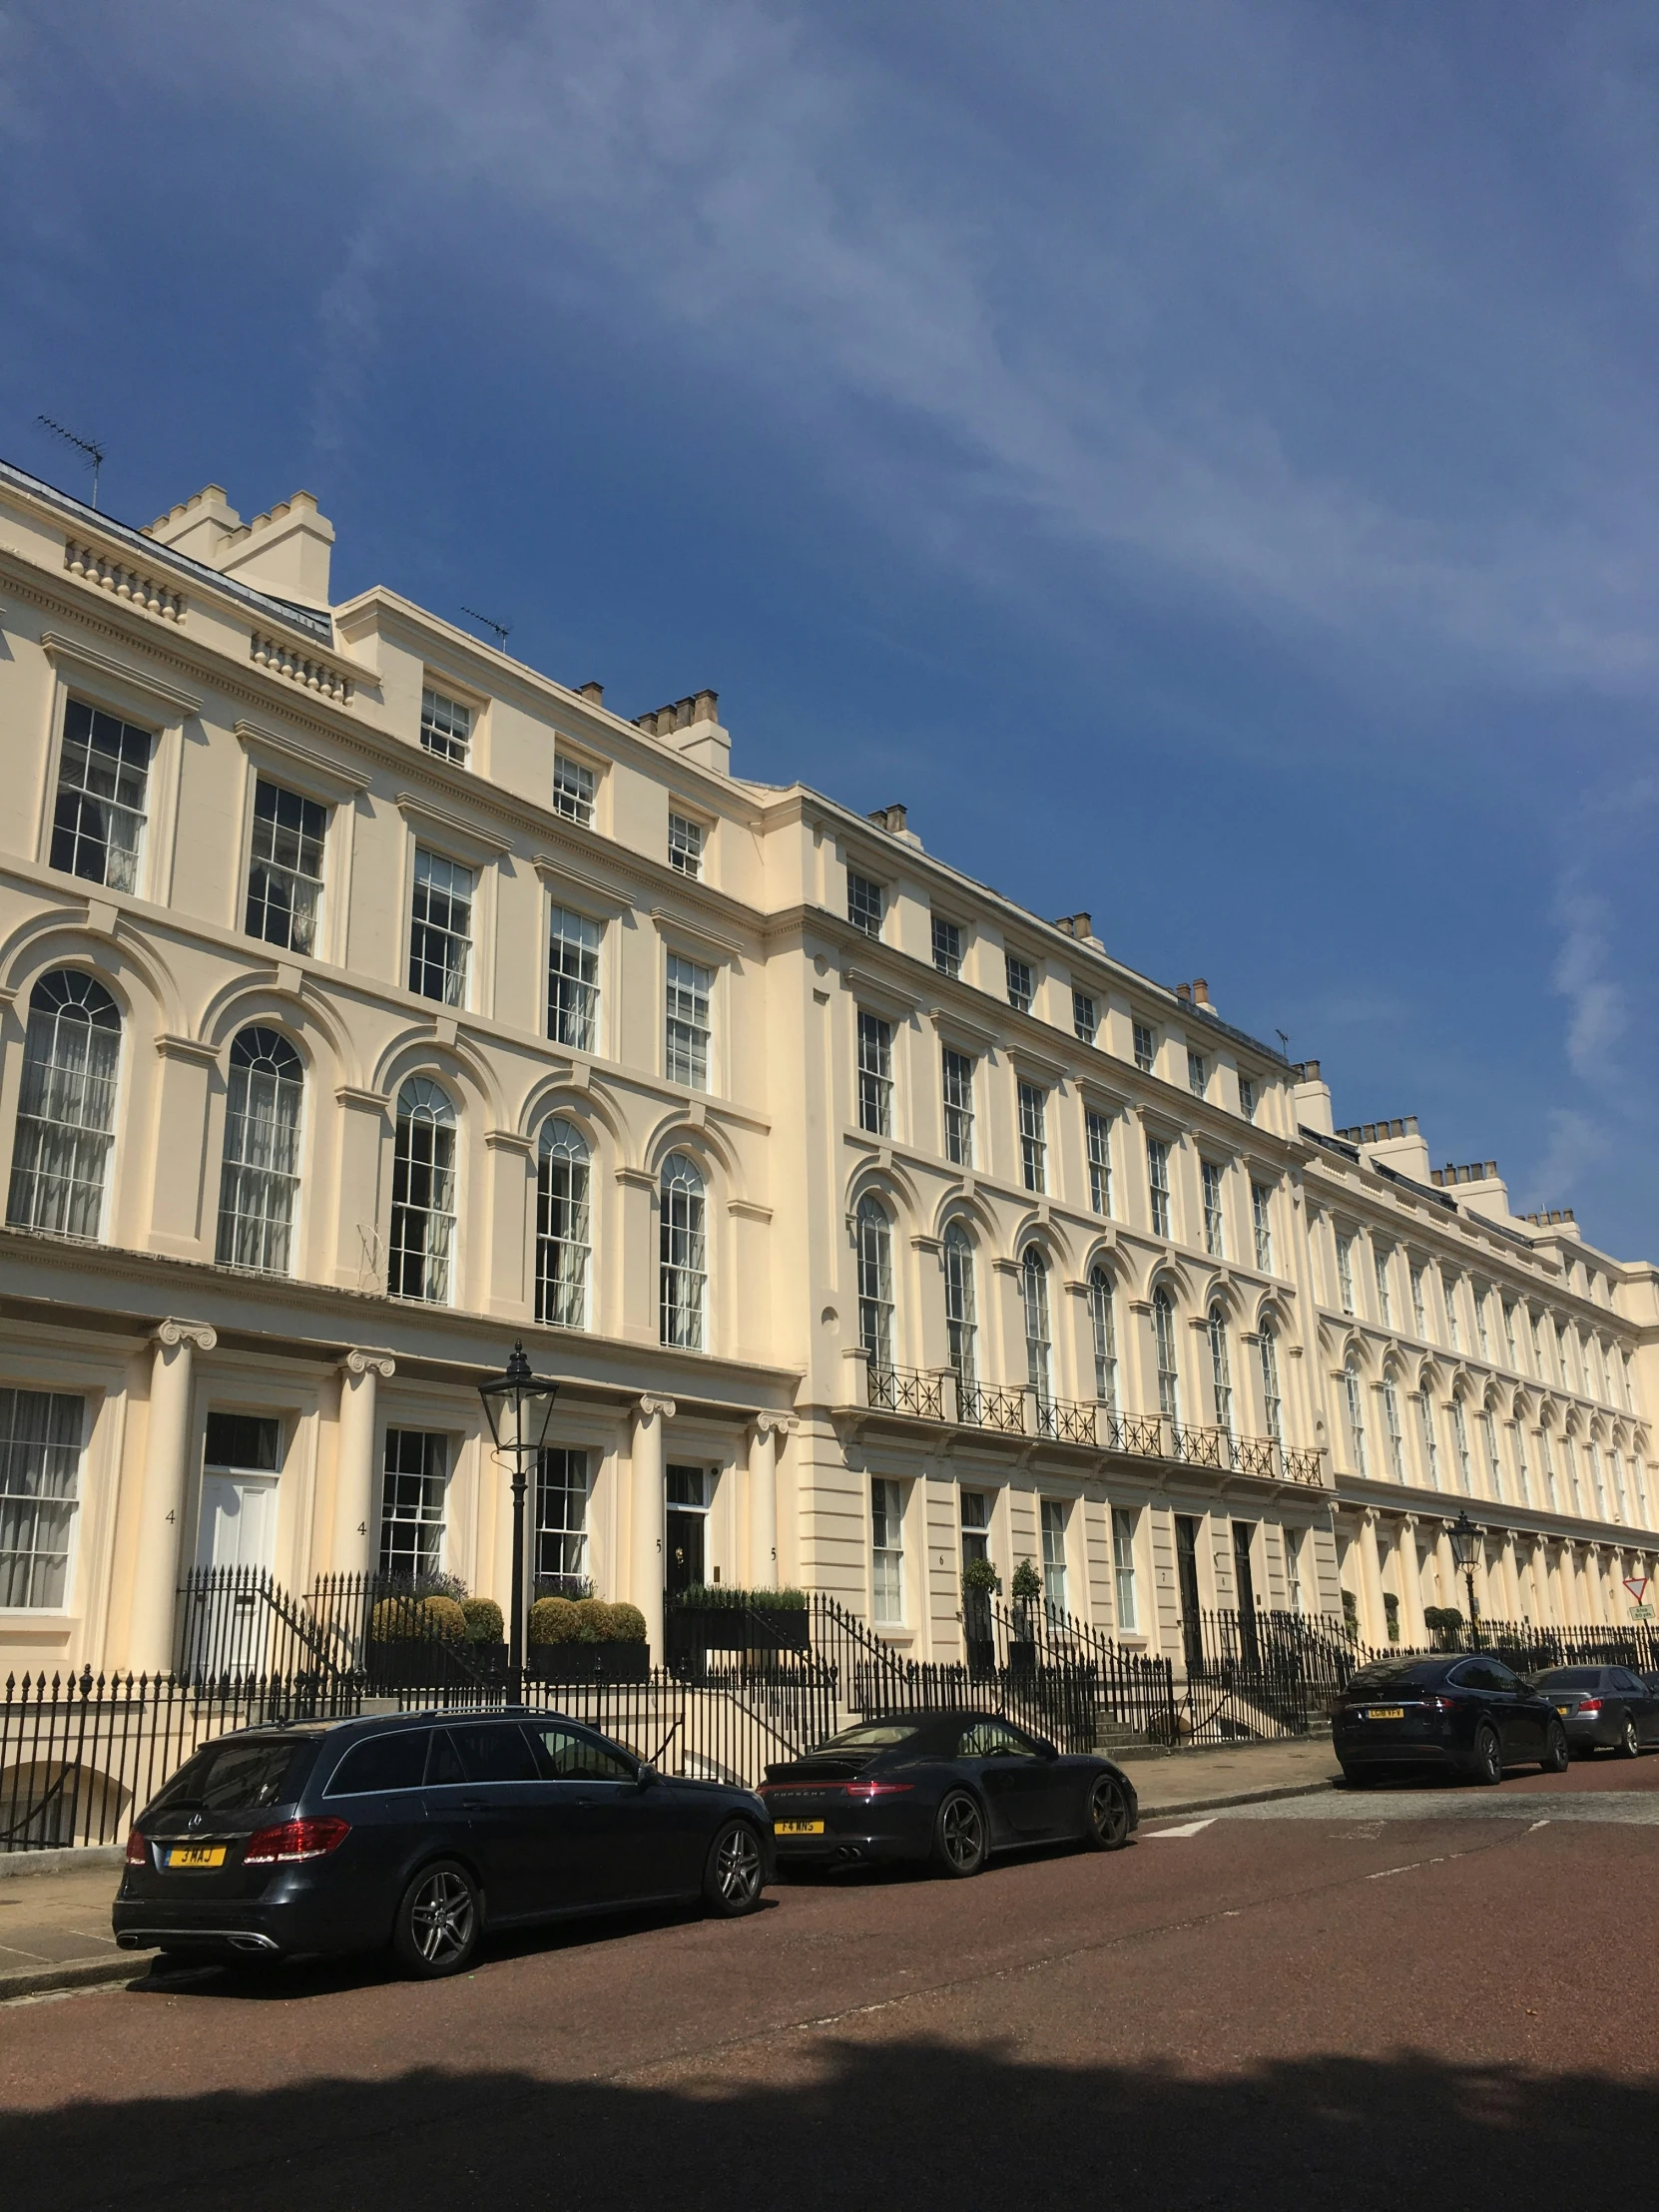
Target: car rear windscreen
[241, 1777]
[1396, 1674]
[1570, 1678]
[872, 1736]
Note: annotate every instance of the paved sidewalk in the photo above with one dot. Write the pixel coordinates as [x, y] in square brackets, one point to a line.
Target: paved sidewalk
[1242, 1774]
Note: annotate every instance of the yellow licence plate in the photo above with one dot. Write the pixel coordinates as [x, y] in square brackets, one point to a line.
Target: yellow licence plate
[1564, 1710]
[1386, 1713]
[195, 1854]
[798, 1828]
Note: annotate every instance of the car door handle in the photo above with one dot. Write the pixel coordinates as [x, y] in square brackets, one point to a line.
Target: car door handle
[472, 1805]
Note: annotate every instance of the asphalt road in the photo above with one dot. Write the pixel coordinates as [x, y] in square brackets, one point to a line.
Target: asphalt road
[1431, 1996]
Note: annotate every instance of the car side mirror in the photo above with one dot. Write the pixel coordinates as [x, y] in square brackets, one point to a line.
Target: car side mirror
[647, 1778]
[1048, 1750]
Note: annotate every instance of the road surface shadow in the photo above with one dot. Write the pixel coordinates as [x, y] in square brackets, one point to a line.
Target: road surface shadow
[912, 2122]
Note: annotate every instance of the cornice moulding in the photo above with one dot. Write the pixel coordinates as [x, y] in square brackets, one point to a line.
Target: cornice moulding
[78, 654]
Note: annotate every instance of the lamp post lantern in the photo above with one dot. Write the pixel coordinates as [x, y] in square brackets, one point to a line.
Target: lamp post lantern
[518, 1406]
[1464, 1538]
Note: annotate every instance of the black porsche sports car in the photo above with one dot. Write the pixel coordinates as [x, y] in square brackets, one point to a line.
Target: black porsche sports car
[943, 1788]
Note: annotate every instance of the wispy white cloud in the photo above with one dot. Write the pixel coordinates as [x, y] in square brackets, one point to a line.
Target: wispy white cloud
[1596, 1012]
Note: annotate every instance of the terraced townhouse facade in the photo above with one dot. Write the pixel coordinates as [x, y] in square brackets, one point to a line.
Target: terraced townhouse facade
[371, 1002]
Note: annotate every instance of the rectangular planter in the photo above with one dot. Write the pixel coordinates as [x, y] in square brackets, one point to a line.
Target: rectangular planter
[607, 1662]
[740, 1628]
[418, 1663]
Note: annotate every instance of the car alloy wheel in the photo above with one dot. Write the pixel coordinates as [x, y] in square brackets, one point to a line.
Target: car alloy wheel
[1108, 1827]
[1556, 1755]
[732, 1884]
[439, 1922]
[1488, 1763]
[1630, 1744]
[959, 1836]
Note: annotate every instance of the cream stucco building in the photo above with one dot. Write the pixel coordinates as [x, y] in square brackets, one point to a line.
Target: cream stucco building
[370, 1002]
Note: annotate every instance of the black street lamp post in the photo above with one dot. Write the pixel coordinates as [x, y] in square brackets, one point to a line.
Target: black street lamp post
[1464, 1538]
[518, 1406]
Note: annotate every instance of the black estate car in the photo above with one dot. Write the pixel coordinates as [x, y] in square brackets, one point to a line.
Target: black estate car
[1469, 1714]
[946, 1788]
[1604, 1708]
[416, 1832]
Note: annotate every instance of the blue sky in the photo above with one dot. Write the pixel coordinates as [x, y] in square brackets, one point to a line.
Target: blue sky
[1203, 457]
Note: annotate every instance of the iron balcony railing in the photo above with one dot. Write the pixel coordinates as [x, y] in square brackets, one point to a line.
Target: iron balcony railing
[961, 1401]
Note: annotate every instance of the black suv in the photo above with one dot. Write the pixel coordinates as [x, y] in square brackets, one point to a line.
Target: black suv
[414, 1831]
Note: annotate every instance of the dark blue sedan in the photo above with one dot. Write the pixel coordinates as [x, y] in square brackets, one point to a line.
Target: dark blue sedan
[944, 1788]
[415, 1833]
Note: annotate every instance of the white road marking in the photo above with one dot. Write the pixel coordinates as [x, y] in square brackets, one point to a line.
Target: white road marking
[1192, 1828]
[1614, 1808]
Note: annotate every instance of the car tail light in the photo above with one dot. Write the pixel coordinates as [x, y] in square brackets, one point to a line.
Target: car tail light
[1589, 1705]
[1437, 1704]
[138, 1850]
[290, 1840]
[864, 1791]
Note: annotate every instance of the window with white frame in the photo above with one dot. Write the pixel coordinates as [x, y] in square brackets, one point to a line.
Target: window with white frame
[1385, 1301]
[1054, 1519]
[961, 1315]
[66, 1107]
[1509, 1336]
[562, 1483]
[875, 1075]
[1146, 1047]
[1495, 1465]
[103, 794]
[1419, 1309]
[1260, 1220]
[1097, 1139]
[1523, 1474]
[1221, 1374]
[1638, 1484]
[1293, 1568]
[1157, 1177]
[284, 867]
[422, 1194]
[445, 726]
[40, 1484]
[876, 1294]
[1538, 1368]
[1039, 1347]
[563, 1237]
[1103, 1328]
[1085, 1016]
[1018, 973]
[1461, 1445]
[1353, 1394]
[1478, 1292]
[689, 990]
[683, 1255]
[684, 843]
[947, 947]
[415, 1482]
[440, 929]
[1391, 1429]
[1431, 1450]
[1547, 1461]
[1034, 1137]
[1597, 1486]
[1345, 1271]
[1197, 1074]
[886, 1532]
[865, 903]
[976, 1527]
[1124, 1518]
[1449, 1290]
[1246, 1098]
[1163, 1347]
[1272, 1405]
[958, 1107]
[259, 1187]
[573, 790]
[1215, 1227]
[573, 943]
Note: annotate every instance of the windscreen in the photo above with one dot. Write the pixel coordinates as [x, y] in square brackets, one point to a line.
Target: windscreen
[1396, 1674]
[241, 1777]
[1569, 1678]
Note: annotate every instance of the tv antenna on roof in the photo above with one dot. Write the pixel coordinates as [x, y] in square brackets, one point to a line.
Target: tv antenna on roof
[503, 630]
[1284, 1041]
[92, 451]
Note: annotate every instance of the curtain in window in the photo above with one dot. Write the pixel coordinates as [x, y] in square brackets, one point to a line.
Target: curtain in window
[684, 1264]
[1040, 1350]
[424, 1194]
[66, 1113]
[562, 1232]
[259, 1179]
[960, 1305]
[875, 1301]
[40, 1464]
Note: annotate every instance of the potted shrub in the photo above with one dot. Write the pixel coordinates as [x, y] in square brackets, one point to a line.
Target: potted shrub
[414, 1641]
[980, 1583]
[1024, 1589]
[586, 1640]
[714, 1616]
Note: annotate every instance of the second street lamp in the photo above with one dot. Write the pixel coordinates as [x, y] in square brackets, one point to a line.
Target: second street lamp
[1465, 1538]
[518, 1406]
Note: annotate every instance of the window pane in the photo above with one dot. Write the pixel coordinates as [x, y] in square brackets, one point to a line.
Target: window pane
[440, 929]
[683, 1266]
[260, 1177]
[102, 790]
[422, 1194]
[562, 1232]
[284, 870]
[573, 980]
[573, 788]
[445, 726]
[40, 1472]
[689, 989]
[412, 1491]
[561, 1515]
[66, 1106]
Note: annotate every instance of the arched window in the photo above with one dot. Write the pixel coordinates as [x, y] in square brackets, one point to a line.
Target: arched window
[1039, 1347]
[66, 1114]
[1220, 1373]
[960, 1304]
[562, 1234]
[1103, 1320]
[1272, 1405]
[874, 1282]
[259, 1179]
[1430, 1451]
[1352, 1392]
[423, 1195]
[684, 1254]
[1163, 1344]
[1391, 1422]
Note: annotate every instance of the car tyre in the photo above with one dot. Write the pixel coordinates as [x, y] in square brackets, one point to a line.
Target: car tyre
[440, 1920]
[1107, 1824]
[1556, 1755]
[1486, 1759]
[960, 1845]
[735, 1874]
[1357, 1777]
[1630, 1744]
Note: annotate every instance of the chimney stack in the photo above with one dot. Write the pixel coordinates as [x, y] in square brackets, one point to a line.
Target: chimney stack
[594, 694]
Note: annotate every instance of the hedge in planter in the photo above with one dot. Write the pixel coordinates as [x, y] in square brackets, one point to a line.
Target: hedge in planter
[397, 1620]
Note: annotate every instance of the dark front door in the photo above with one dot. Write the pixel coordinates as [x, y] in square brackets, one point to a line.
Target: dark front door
[1245, 1584]
[1186, 1569]
[684, 1550]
